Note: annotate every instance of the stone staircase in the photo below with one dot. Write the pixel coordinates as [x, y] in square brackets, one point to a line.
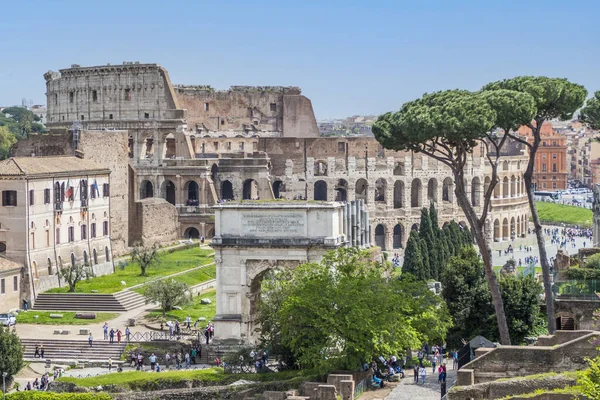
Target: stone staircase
[79, 350]
[118, 302]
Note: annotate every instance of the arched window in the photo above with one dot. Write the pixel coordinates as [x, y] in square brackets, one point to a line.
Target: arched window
[320, 191]
[398, 236]
[416, 195]
[432, 187]
[250, 190]
[226, 190]
[85, 258]
[72, 259]
[398, 194]
[380, 236]
[380, 189]
[49, 266]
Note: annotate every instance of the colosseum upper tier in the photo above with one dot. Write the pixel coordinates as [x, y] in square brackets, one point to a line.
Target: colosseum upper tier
[192, 146]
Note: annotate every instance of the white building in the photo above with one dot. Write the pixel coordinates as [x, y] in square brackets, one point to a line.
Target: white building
[54, 212]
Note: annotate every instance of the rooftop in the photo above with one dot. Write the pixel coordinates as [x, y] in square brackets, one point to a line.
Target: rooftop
[57, 165]
[8, 265]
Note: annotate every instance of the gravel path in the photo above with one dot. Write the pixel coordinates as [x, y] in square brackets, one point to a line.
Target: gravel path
[409, 390]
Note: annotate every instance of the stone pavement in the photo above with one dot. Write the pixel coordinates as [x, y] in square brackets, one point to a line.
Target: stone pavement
[409, 390]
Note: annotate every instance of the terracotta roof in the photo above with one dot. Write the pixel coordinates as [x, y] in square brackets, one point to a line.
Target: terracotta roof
[7, 265]
[26, 166]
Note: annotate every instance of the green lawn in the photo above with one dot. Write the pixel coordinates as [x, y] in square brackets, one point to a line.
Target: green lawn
[137, 380]
[192, 278]
[67, 319]
[170, 263]
[551, 213]
[194, 310]
[538, 270]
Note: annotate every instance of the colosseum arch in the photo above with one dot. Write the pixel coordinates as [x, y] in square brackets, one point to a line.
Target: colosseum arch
[170, 143]
[416, 193]
[398, 241]
[432, 188]
[518, 226]
[320, 192]
[513, 186]
[278, 187]
[448, 190]
[398, 194]
[380, 190]
[250, 190]
[146, 190]
[169, 191]
[341, 190]
[476, 192]
[513, 228]
[192, 191]
[496, 231]
[380, 236]
[320, 168]
[414, 227]
[361, 190]
[505, 187]
[505, 229]
[191, 233]
[226, 190]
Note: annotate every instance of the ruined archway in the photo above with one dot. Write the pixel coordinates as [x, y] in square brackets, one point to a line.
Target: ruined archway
[380, 236]
[448, 190]
[496, 231]
[513, 228]
[505, 188]
[191, 233]
[416, 196]
[191, 187]
[475, 192]
[169, 192]
[398, 236]
[341, 190]
[277, 189]
[146, 190]
[226, 190]
[398, 194]
[380, 190]
[320, 191]
[250, 190]
[432, 187]
[361, 190]
[505, 229]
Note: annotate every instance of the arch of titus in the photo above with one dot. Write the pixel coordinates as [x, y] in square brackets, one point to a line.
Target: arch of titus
[252, 238]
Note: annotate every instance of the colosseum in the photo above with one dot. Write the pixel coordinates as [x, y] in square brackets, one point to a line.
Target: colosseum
[190, 147]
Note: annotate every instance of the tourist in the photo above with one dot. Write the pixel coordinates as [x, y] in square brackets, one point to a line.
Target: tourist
[420, 357]
[455, 360]
[127, 333]
[37, 351]
[178, 360]
[42, 350]
[25, 304]
[112, 336]
[188, 322]
[28, 387]
[193, 355]
[90, 339]
[157, 367]
[187, 360]
[207, 335]
[168, 360]
[152, 359]
[105, 329]
[118, 336]
[423, 374]
[110, 364]
[201, 239]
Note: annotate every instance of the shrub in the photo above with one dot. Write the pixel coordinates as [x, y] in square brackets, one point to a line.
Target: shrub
[593, 261]
[583, 273]
[33, 395]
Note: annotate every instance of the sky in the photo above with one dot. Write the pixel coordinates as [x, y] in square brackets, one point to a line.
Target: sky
[349, 57]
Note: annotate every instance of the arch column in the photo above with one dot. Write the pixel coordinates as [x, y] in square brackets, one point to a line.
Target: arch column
[351, 192]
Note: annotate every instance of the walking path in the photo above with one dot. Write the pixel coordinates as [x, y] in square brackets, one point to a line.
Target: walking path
[410, 390]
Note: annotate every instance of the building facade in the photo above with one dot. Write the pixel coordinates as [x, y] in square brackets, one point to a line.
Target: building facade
[191, 147]
[55, 212]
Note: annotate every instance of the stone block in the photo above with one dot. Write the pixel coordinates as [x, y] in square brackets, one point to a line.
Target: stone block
[65, 332]
[325, 392]
[335, 379]
[271, 395]
[347, 390]
[85, 315]
[57, 331]
[55, 316]
[84, 331]
[205, 301]
[465, 377]
[308, 388]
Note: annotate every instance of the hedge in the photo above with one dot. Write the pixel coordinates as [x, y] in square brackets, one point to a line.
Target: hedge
[34, 395]
[583, 273]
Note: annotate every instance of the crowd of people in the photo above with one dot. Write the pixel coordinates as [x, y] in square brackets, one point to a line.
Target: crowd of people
[42, 382]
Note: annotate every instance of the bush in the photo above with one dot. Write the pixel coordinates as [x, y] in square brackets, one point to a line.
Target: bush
[583, 273]
[11, 352]
[33, 395]
[593, 261]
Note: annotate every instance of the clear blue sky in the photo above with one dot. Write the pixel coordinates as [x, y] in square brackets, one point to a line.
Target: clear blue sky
[348, 57]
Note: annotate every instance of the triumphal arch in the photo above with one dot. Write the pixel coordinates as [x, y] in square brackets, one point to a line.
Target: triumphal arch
[252, 238]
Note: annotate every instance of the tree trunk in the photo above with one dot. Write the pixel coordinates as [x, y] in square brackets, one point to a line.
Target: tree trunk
[539, 233]
[486, 255]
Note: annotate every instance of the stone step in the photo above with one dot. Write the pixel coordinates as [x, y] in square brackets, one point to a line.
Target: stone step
[73, 349]
[119, 302]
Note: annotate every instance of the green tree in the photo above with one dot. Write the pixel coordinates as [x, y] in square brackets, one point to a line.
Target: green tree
[7, 139]
[521, 296]
[145, 256]
[448, 126]
[427, 235]
[24, 119]
[74, 273]
[413, 260]
[554, 98]
[168, 293]
[332, 315]
[426, 262]
[433, 216]
[590, 114]
[467, 295]
[11, 352]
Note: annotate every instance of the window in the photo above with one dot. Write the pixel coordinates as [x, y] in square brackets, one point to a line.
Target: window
[57, 235]
[554, 178]
[105, 190]
[543, 167]
[147, 115]
[71, 234]
[71, 193]
[255, 122]
[110, 116]
[15, 284]
[553, 143]
[94, 95]
[82, 117]
[9, 198]
[216, 145]
[83, 232]
[46, 196]
[93, 230]
[254, 146]
[127, 94]
[273, 107]
[544, 185]
[241, 145]
[55, 98]
[553, 185]
[553, 167]
[71, 97]
[341, 147]
[31, 197]
[222, 122]
[2, 247]
[105, 228]
[544, 143]
[228, 145]
[2, 286]
[544, 156]
[554, 156]
[205, 106]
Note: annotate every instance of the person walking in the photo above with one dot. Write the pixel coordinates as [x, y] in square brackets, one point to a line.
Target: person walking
[168, 360]
[90, 339]
[187, 360]
[112, 336]
[416, 373]
[37, 351]
[110, 364]
[118, 336]
[42, 350]
[105, 329]
[152, 359]
[423, 373]
[127, 333]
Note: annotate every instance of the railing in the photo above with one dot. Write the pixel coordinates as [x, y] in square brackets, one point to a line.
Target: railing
[578, 290]
[161, 335]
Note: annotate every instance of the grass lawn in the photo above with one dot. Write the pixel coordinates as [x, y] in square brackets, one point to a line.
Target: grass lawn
[520, 270]
[67, 319]
[137, 380]
[192, 278]
[170, 263]
[194, 310]
[551, 213]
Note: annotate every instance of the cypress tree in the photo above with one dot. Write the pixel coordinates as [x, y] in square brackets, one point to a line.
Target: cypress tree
[426, 233]
[426, 261]
[435, 224]
[413, 261]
